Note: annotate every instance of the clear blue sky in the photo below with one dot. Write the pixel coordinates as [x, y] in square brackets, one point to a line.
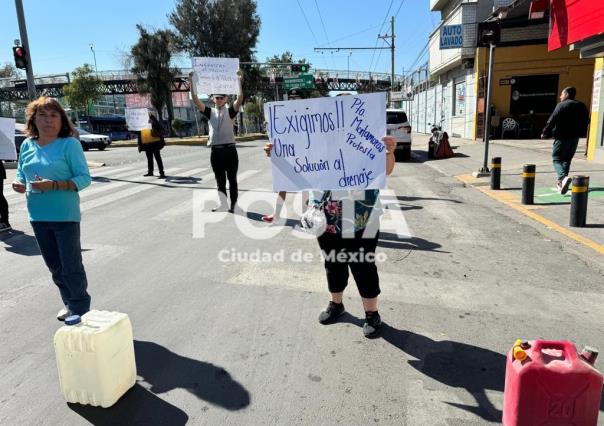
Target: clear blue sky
[60, 31]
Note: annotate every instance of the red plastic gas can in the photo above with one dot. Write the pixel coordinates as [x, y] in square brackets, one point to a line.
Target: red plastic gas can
[547, 383]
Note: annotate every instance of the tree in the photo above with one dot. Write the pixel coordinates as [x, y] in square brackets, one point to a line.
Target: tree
[285, 58]
[219, 28]
[8, 70]
[84, 89]
[152, 56]
[254, 110]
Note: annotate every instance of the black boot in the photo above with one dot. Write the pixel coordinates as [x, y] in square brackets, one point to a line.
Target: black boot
[331, 313]
[373, 324]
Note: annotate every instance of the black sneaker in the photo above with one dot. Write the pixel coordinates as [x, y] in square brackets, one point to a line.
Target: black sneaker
[331, 314]
[373, 324]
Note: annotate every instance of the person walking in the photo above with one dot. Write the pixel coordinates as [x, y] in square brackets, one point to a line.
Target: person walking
[567, 124]
[223, 158]
[51, 171]
[152, 142]
[356, 252]
[4, 223]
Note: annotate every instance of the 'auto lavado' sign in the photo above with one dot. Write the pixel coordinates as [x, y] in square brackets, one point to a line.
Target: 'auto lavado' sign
[451, 37]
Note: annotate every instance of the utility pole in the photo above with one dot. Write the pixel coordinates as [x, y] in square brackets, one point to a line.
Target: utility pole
[484, 170]
[391, 47]
[31, 86]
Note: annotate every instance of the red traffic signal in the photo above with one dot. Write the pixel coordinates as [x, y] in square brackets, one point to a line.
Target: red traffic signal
[19, 54]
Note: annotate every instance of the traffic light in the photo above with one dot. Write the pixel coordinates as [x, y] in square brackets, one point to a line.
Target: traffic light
[489, 32]
[19, 54]
[299, 67]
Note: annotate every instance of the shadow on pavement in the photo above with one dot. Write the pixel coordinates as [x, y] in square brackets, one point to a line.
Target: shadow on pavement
[164, 371]
[455, 364]
[393, 241]
[137, 407]
[20, 243]
[412, 198]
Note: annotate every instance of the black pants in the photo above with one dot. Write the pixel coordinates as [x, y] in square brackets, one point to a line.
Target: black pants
[225, 163]
[160, 165]
[362, 267]
[3, 204]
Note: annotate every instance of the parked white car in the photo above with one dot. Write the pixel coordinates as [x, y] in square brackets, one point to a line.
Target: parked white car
[90, 140]
[398, 126]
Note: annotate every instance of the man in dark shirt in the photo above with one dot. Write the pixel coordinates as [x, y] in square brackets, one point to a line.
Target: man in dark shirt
[567, 124]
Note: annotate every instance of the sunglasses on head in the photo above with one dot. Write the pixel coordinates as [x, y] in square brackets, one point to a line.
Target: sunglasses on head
[218, 97]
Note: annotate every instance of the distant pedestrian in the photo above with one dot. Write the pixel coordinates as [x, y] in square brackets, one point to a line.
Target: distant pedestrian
[152, 142]
[224, 158]
[567, 124]
[51, 171]
[4, 223]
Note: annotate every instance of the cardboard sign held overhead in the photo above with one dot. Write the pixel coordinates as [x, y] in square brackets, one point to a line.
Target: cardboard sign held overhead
[216, 75]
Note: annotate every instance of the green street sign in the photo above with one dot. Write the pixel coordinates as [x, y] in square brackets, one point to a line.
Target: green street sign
[302, 81]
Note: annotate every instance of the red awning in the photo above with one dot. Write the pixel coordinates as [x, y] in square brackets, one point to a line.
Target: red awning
[574, 20]
[538, 8]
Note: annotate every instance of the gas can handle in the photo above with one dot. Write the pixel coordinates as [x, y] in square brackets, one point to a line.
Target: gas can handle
[568, 348]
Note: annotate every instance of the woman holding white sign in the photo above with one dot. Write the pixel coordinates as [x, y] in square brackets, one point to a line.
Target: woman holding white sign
[224, 158]
[349, 243]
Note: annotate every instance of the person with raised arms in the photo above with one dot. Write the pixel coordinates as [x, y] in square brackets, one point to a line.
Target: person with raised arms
[223, 158]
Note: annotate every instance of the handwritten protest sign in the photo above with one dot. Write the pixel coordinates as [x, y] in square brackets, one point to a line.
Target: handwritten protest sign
[137, 119]
[328, 143]
[7, 139]
[216, 75]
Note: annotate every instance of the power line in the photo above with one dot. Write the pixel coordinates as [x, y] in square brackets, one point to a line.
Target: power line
[399, 8]
[381, 28]
[309, 27]
[324, 31]
[350, 35]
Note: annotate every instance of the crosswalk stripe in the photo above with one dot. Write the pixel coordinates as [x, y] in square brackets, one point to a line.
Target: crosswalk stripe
[98, 202]
[96, 188]
[186, 206]
[132, 170]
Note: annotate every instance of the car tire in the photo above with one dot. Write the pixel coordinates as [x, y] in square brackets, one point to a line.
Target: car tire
[84, 147]
[403, 154]
[102, 148]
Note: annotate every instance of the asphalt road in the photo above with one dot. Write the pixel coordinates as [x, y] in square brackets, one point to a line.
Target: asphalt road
[223, 340]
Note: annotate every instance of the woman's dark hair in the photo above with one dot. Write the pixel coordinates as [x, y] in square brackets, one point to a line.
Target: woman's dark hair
[48, 104]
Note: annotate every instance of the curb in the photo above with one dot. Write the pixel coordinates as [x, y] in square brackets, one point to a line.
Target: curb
[203, 141]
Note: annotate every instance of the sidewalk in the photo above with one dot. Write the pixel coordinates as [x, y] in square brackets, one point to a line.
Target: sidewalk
[551, 210]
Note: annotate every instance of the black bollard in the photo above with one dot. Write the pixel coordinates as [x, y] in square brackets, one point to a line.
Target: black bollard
[496, 173]
[578, 201]
[528, 184]
[431, 146]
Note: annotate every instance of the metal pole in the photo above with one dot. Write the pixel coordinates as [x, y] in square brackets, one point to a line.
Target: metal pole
[426, 101]
[392, 58]
[31, 86]
[96, 70]
[487, 115]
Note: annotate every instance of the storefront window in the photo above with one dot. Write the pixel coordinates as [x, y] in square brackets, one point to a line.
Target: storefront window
[459, 98]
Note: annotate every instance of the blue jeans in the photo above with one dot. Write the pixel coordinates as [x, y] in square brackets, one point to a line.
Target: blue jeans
[59, 243]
